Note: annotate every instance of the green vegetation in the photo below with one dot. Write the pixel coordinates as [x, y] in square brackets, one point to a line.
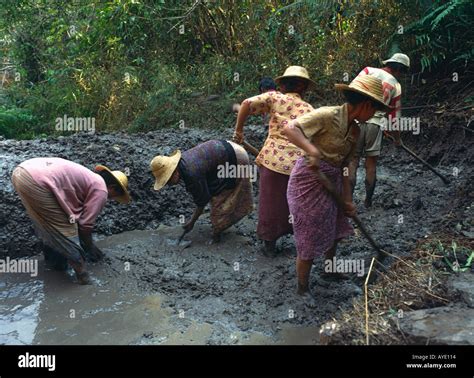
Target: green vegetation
[16, 123]
[145, 64]
[457, 258]
[444, 34]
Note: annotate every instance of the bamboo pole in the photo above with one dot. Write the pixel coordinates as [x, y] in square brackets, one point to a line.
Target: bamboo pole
[367, 302]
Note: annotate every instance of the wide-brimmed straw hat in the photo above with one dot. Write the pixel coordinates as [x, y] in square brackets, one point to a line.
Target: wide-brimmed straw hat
[399, 58]
[366, 85]
[163, 167]
[296, 71]
[121, 180]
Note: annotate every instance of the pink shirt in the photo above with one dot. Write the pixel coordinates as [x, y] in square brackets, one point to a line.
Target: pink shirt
[80, 192]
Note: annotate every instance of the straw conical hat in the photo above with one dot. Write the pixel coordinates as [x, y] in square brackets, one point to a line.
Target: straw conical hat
[121, 179]
[163, 167]
[296, 71]
[366, 85]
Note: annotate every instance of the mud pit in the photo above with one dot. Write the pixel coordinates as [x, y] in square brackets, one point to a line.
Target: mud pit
[149, 291]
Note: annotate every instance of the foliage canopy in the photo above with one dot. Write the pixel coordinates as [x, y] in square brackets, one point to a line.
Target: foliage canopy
[144, 64]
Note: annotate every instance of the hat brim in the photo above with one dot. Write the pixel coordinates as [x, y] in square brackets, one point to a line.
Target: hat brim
[345, 87]
[161, 181]
[125, 198]
[395, 61]
[311, 85]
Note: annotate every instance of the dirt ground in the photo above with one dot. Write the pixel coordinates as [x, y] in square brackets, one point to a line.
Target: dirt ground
[227, 292]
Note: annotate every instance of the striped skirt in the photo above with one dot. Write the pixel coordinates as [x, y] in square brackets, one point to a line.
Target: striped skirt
[231, 205]
[317, 220]
[50, 221]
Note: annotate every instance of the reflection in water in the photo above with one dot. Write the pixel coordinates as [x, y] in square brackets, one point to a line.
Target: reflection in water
[19, 309]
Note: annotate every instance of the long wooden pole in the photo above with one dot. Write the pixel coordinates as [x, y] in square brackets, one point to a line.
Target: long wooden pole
[329, 186]
[428, 165]
[366, 284]
[250, 148]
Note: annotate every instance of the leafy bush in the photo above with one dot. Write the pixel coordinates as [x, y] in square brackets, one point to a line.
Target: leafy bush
[16, 123]
[444, 35]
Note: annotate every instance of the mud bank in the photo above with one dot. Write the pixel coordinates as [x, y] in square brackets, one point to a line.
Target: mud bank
[154, 292]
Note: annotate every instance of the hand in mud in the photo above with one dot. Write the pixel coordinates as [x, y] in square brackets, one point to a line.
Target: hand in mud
[238, 137]
[349, 209]
[94, 253]
[188, 226]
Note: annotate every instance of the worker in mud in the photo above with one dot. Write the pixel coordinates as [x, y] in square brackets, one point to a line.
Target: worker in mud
[369, 143]
[328, 138]
[63, 199]
[216, 171]
[278, 155]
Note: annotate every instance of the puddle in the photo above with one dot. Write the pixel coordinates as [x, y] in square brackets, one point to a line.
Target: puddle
[20, 302]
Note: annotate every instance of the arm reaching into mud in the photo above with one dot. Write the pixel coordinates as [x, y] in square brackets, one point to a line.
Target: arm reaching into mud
[92, 251]
[188, 226]
[260, 104]
[294, 134]
[242, 116]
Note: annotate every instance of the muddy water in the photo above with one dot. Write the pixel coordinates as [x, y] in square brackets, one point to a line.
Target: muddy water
[19, 307]
[118, 308]
[52, 309]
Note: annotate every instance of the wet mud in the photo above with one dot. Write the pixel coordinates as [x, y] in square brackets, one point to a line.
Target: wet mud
[149, 290]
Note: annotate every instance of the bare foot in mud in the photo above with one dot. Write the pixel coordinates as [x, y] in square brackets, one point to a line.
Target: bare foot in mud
[94, 254]
[271, 254]
[270, 249]
[308, 298]
[216, 238]
[183, 244]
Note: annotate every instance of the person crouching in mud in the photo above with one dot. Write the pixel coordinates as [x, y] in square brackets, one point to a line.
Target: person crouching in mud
[328, 136]
[63, 199]
[204, 171]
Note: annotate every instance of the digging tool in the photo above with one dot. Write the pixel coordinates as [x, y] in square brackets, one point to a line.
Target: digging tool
[402, 145]
[250, 148]
[329, 186]
[182, 236]
[178, 242]
[186, 244]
